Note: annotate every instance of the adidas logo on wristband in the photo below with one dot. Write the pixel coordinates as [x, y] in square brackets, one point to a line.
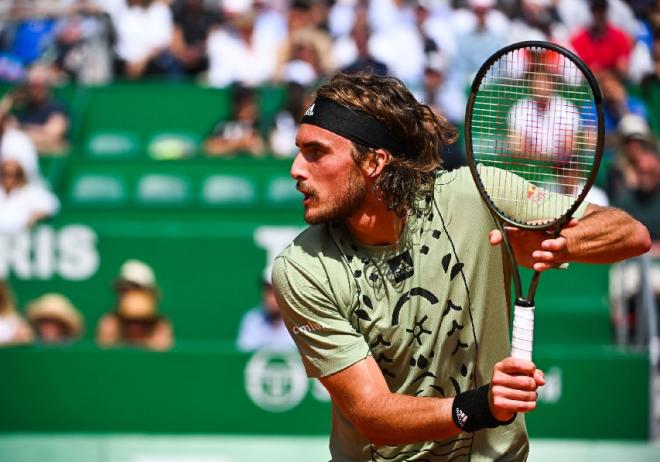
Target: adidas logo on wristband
[461, 417]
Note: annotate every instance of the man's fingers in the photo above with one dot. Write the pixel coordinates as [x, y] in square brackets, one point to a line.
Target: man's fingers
[543, 256]
[494, 237]
[554, 244]
[513, 394]
[501, 403]
[512, 365]
[517, 382]
[539, 376]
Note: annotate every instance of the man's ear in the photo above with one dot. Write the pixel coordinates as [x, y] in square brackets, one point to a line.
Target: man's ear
[375, 163]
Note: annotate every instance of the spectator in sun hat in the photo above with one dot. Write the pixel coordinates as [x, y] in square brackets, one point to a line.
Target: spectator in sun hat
[136, 320]
[54, 319]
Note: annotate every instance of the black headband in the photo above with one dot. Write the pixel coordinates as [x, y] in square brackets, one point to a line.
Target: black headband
[356, 126]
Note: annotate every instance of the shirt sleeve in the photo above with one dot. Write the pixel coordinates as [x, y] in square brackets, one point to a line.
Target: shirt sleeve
[327, 341]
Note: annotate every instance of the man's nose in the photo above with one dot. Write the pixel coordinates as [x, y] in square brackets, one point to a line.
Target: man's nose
[299, 167]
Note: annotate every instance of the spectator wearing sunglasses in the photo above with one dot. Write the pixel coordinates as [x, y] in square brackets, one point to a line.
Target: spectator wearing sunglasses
[136, 320]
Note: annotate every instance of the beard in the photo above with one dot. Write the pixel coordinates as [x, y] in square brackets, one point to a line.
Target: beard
[337, 208]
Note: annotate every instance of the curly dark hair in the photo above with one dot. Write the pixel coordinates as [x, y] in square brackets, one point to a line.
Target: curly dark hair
[409, 175]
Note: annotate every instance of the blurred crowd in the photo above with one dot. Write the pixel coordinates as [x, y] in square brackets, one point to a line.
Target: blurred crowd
[434, 46]
[51, 319]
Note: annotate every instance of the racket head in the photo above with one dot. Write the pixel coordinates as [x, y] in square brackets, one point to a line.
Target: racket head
[507, 141]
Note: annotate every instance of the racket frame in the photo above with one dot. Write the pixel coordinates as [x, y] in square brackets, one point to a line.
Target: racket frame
[524, 306]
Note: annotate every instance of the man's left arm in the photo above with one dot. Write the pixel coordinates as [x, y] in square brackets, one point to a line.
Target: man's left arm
[602, 235]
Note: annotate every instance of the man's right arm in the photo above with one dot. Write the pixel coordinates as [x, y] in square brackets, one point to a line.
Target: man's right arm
[387, 418]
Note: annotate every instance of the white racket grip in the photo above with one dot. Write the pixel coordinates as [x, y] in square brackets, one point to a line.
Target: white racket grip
[522, 338]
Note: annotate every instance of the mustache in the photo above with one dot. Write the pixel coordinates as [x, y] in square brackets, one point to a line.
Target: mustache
[305, 189]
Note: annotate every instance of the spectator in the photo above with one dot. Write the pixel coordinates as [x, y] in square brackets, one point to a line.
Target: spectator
[363, 60]
[144, 31]
[243, 50]
[305, 55]
[282, 138]
[480, 31]
[601, 45]
[651, 81]
[82, 45]
[43, 118]
[396, 40]
[617, 101]
[54, 320]
[13, 328]
[262, 326]
[535, 122]
[435, 93]
[136, 320]
[635, 187]
[635, 182]
[303, 60]
[241, 133]
[23, 199]
[29, 32]
[192, 25]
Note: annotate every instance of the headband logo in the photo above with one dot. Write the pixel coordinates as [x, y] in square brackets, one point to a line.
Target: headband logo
[310, 111]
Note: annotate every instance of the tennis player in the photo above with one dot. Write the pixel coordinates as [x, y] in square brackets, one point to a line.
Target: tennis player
[396, 295]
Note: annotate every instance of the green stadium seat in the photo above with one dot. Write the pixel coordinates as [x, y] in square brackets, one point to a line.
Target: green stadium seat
[98, 189]
[113, 144]
[173, 145]
[163, 189]
[281, 190]
[228, 190]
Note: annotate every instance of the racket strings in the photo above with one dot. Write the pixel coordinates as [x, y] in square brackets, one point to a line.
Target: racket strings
[534, 128]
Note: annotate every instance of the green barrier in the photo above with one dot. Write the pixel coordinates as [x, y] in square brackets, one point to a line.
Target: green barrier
[201, 388]
[572, 305]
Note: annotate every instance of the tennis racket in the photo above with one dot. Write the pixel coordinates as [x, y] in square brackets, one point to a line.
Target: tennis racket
[534, 139]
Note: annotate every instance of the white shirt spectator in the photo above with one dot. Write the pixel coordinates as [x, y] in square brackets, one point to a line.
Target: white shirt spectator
[547, 136]
[402, 51]
[19, 206]
[232, 60]
[140, 31]
[256, 332]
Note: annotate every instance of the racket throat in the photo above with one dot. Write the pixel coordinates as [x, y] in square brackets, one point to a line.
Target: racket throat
[522, 338]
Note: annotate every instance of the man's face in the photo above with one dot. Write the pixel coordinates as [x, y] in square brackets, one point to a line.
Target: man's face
[327, 175]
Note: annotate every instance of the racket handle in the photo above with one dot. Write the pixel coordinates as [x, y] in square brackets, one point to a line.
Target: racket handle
[522, 338]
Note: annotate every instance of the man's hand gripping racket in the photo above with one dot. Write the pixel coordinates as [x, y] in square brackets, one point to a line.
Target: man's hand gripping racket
[534, 140]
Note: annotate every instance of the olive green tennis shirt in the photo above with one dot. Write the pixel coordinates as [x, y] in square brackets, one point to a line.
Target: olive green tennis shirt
[431, 310]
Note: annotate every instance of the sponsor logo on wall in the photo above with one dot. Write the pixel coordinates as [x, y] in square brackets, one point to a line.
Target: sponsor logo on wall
[276, 381]
[69, 252]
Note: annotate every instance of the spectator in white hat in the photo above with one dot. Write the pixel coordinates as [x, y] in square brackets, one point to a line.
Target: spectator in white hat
[54, 319]
[136, 320]
[23, 198]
